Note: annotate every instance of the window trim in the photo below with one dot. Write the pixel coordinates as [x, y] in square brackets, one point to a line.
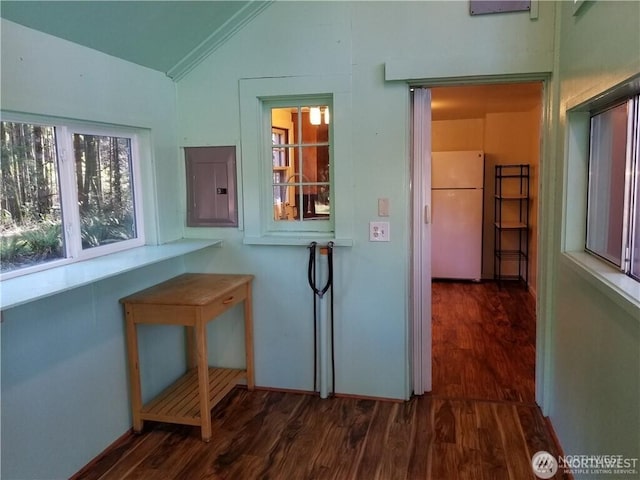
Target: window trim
[633, 149]
[72, 245]
[252, 92]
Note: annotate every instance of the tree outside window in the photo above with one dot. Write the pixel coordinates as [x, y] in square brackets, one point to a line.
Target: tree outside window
[51, 212]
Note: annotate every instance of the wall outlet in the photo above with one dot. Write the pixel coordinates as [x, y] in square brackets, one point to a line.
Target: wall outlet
[379, 231]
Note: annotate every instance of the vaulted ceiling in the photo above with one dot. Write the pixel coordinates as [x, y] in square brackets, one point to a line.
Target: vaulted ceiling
[168, 36]
[174, 36]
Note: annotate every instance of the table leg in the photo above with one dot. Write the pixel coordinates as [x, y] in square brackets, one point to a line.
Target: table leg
[134, 370]
[192, 357]
[248, 338]
[203, 378]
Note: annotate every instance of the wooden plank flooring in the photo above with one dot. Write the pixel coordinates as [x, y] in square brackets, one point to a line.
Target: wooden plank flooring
[275, 435]
[483, 341]
[461, 431]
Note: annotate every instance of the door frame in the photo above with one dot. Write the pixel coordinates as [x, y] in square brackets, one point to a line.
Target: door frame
[420, 343]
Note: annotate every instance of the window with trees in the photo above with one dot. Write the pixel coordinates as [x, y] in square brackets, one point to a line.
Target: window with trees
[67, 193]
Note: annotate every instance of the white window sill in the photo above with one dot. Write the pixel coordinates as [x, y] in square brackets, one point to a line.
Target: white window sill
[622, 289]
[296, 240]
[28, 288]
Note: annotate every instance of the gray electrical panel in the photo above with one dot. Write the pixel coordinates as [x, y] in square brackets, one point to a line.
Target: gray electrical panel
[211, 186]
[482, 7]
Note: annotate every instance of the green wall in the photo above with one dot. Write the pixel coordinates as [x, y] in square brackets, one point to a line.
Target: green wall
[63, 365]
[358, 39]
[44, 75]
[594, 394]
[57, 414]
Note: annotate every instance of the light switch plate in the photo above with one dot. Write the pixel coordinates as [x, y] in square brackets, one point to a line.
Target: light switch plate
[383, 207]
[379, 231]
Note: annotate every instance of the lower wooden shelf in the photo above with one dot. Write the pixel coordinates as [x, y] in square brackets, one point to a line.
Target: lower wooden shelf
[180, 402]
[510, 254]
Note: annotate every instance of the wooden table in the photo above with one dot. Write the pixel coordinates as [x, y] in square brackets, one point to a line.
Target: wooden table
[191, 300]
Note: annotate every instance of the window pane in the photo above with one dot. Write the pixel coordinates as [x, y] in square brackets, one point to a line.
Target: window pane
[279, 153]
[322, 207]
[283, 130]
[315, 164]
[105, 189]
[30, 214]
[315, 170]
[279, 195]
[607, 162]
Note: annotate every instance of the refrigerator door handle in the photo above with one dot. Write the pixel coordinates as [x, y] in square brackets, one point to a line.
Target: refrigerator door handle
[427, 214]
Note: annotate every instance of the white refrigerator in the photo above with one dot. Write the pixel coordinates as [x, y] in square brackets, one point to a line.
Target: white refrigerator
[457, 183]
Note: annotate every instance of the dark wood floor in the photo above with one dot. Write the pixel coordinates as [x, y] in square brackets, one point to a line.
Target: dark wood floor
[483, 341]
[460, 431]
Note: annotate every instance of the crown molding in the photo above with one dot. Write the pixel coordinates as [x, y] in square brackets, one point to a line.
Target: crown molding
[214, 41]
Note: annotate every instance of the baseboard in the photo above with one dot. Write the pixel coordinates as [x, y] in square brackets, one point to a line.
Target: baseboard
[369, 397]
[554, 438]
[281, 390]
[337, 395]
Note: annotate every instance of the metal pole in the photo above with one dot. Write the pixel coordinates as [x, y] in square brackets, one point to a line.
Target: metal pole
[323, 315]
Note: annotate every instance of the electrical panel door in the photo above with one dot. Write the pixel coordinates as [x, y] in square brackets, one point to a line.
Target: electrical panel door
[211, 186]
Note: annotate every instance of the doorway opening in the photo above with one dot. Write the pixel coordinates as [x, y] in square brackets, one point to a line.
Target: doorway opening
[479, 335]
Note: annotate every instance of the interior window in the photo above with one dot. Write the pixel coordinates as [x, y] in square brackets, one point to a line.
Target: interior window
[300, 151]
[297, 161]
